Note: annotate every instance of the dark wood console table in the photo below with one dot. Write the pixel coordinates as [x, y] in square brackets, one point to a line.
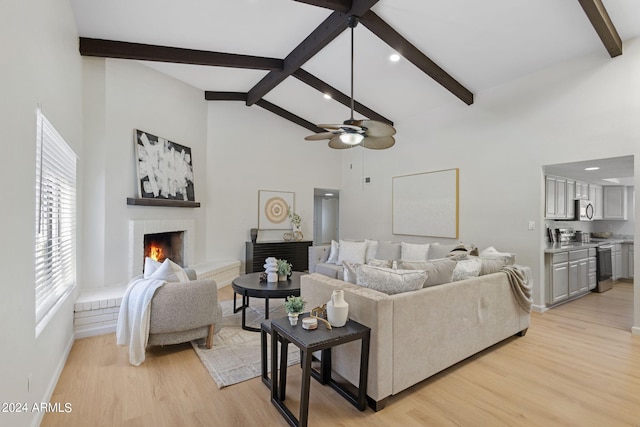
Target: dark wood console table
[297, 253]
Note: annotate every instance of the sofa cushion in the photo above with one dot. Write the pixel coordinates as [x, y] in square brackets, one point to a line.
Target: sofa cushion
[440, 250]
[388, 250]
[330, 270]
[491, 265]
[388, 280]
[372, 248]
[414, 252]
[386, 263]
[349, 272]
[467, 269]
[439, 271]
[353, 252]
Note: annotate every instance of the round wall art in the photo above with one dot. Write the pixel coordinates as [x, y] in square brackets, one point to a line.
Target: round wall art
[276, 210]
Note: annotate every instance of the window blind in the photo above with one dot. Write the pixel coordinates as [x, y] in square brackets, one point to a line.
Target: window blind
[55, 242]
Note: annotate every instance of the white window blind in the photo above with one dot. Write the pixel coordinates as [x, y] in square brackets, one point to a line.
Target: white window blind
[55, 242]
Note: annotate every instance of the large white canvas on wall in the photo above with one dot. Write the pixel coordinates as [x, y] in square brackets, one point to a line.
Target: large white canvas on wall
[426, 204]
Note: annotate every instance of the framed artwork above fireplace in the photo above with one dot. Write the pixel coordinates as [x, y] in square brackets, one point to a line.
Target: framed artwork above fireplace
[164, 168]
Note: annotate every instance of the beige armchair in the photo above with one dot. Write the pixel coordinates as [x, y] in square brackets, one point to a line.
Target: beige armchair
[182, 312]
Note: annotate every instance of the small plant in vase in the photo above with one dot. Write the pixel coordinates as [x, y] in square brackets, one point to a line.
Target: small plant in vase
[295, 219]
[284, 269]
[294, 306]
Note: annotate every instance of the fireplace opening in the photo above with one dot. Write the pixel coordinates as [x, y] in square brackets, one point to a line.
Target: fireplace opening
[160, 246]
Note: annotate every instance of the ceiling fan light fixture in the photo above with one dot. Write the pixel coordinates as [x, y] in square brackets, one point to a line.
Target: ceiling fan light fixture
[351, 138]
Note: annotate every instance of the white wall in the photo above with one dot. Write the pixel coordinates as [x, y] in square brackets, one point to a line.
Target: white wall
[121, 96]
[40, 65]
[251, 149]
[582, 109]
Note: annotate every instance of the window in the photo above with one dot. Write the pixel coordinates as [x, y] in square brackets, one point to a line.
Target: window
[55, 242]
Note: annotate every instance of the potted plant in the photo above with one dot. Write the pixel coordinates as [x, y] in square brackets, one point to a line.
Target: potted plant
[284, 269]
[294, 306]
[295, 219]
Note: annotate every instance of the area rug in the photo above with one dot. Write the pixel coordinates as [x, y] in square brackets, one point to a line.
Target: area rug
[235, 356]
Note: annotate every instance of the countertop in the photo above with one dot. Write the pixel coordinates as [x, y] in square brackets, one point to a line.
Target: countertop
[551, 248]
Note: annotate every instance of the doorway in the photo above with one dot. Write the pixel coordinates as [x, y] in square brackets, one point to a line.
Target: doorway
[326, 208]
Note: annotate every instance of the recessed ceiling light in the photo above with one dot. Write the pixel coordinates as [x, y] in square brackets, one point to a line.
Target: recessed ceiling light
[593, 168]
[328, 194]
[394, 57]
[327, 96]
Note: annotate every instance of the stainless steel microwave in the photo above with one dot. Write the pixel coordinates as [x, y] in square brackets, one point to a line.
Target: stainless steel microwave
[584, 210]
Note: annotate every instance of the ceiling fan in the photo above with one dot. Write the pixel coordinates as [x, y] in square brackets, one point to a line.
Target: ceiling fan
[366, 133]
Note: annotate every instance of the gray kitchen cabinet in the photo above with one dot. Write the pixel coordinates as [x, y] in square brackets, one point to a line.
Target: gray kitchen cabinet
[615, 202]
[555, 197]
[570, 274]
[593, 277]
[596, 198]
[630, 262]
[557, 277]
[616, 262]
[570, 198]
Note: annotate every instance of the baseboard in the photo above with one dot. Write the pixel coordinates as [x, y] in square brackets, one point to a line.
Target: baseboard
[635, 330]
[94, 330]
[37, 420]
[539, 308]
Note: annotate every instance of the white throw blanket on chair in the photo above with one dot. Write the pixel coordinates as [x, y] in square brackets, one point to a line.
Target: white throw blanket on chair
[135, 316]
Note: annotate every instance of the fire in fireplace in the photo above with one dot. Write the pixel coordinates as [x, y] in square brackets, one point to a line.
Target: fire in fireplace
[160, 246]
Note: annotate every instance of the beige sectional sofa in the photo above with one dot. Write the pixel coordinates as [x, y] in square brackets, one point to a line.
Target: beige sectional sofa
[419, 333]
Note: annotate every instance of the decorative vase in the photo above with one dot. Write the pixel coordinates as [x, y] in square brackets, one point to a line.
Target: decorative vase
[282, 277]
[337, 309]
[293, 318]
[254, 234]
[271, 268]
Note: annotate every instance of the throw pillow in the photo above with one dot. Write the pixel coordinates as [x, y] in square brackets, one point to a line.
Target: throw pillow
[438, 250]
[491, 252]
[372, 248]
[388, 250]
[349, 273]
[466, 269]
[333, 252]
[439, 271]
[390, 281]
[150, 265]
[414, 252]
[491, 265]
[386, 263]
[353, 252]
[171, 272]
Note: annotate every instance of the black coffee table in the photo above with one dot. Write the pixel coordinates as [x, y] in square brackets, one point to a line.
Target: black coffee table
[249, 285]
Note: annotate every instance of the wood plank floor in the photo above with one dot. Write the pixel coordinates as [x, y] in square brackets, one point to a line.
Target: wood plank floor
[578, 365]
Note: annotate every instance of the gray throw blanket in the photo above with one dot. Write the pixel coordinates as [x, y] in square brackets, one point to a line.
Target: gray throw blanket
[521, 283]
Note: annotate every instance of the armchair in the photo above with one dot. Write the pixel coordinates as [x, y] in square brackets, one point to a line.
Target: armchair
[182, 312]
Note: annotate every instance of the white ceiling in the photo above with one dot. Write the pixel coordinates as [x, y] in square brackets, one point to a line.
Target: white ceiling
[480, 43]
[611, 171]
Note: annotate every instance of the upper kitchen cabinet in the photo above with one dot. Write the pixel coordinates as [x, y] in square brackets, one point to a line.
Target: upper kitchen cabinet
[615, 202]
[582, 190]
[556, 197]
[596, 198]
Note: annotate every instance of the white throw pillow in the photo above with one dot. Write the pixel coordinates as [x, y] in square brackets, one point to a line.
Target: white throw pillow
[467, 269]
[171, 272]
[414, 252]
[352, 252]
[349, 272]
[333, 253]
[388, 280]
[372, 248]
[150, 265]
[491, 252]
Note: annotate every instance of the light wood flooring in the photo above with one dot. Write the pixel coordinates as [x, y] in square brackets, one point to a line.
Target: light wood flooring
[578, 365]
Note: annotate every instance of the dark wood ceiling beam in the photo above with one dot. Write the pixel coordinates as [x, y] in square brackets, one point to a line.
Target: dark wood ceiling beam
[603, 25]
[339, 5]
[145, 52]
[316, 83]
[289, 116]
[401, 45]
[225, 96]
[330, 28]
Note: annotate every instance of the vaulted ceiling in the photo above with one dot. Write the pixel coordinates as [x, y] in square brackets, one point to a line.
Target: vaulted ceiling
[283, 55]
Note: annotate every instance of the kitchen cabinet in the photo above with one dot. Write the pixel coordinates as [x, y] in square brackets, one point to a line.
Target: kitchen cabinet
[615, 202]
[570, 198]
[630, 262]
[570, 274]
[556, 197]
[616, 262]
[627, 260]
[558, 277]
[582, 190]
[596, 198]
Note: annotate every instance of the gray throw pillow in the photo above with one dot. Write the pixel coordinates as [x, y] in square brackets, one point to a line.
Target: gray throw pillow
[439, 271]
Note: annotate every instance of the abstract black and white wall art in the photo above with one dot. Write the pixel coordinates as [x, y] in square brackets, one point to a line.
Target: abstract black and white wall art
[164, 168]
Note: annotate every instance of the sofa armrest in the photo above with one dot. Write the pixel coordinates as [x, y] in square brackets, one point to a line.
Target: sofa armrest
[318, 254]
[179, 307]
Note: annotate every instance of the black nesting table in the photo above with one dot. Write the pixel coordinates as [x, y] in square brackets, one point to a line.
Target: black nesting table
[249, 285]
[308, 342]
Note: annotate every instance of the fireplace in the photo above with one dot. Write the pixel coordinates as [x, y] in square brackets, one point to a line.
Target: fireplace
[138, 229]
[160, 246]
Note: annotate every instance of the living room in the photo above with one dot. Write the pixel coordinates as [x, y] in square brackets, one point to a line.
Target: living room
[576, 109]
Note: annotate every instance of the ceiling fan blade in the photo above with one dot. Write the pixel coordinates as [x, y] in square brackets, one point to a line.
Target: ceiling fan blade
[376, 128]
[320, 136]
[341, 127]
[378, 142]
[328, 127]
[338, 144]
